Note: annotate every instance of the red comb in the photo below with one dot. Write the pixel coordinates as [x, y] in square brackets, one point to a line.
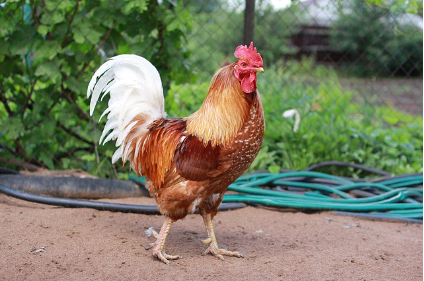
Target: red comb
[249, 53]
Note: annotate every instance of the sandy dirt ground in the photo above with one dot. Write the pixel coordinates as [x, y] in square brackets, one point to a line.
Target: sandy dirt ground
[40, 242]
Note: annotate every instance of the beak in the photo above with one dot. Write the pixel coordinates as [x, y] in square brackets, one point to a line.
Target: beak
[259, 69]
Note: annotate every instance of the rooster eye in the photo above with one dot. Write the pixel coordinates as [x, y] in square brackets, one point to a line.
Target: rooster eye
[243, 64]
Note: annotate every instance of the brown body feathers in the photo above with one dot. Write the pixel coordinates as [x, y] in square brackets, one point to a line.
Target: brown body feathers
[190, 162]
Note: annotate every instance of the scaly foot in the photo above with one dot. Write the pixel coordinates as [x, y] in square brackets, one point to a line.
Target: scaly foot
[213, 248]
[164, 257]
[161, 255]
[220, 253]
[160, 242]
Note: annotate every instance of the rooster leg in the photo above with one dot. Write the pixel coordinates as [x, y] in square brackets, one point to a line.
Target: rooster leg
[160, 242]
[211, 240]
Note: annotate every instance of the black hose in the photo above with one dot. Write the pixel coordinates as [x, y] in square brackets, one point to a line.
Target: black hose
[7, 171]
[384, 175]
[74, 187]
[344, 164]
[101, 206]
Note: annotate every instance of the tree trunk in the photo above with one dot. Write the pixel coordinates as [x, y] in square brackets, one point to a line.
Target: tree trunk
[249, 21]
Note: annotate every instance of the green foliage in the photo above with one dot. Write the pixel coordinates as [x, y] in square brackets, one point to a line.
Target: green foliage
[409, 6]
[378, 42]
[50, 49]
[332, 127]
[184, 99]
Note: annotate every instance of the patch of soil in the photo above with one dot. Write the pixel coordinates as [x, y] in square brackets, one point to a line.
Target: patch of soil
[40, 242]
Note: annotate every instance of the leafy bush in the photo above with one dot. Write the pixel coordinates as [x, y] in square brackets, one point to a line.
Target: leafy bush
[377, 41]
[49, 51]
[184, 99]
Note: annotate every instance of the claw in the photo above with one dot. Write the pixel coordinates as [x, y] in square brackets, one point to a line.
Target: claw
[149, 246]
[221, 257]
[220, 253]
[160, 256]
[172, 257]
[164, 257]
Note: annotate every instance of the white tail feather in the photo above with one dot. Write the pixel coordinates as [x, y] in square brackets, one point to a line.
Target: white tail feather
[135, 90]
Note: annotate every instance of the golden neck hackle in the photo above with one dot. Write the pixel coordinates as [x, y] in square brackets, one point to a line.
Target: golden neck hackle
[223, 111]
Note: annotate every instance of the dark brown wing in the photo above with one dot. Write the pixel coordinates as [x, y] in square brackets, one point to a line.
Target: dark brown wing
[194, 161]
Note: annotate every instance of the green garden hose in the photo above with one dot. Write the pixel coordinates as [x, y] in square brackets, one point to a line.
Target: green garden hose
[391, 198]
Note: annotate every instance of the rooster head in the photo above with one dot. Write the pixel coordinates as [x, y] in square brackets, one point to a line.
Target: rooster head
[248, 64]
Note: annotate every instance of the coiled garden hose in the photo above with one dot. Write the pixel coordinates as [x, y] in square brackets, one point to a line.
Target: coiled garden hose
[395, 198]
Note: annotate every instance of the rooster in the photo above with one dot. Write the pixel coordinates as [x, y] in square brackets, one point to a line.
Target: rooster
[188, 162]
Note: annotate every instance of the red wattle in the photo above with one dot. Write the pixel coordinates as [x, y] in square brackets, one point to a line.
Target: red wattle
[248, 83]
